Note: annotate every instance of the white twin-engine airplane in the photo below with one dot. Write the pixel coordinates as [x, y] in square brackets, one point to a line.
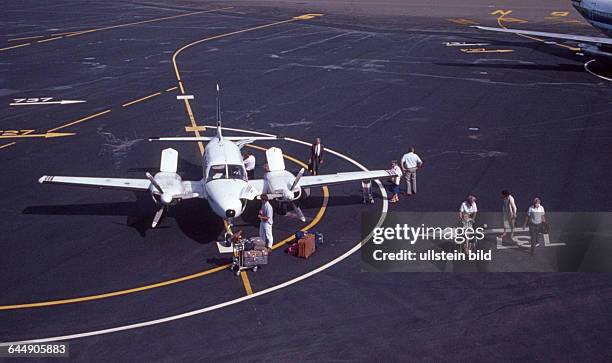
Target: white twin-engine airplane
[225, 184]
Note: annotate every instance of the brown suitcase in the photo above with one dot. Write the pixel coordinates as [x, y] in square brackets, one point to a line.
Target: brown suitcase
[306, 246]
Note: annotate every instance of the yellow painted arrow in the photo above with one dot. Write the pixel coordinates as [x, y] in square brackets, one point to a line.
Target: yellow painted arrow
[48, 135]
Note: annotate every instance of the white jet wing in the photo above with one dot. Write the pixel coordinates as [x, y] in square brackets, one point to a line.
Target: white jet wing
[111, 183]
[577, 38]
[339, 178]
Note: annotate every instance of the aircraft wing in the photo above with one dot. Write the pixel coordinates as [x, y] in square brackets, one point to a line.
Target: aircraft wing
[239, 139]
[577, 38]
[110, 183]
[339, 178]
[256, 188]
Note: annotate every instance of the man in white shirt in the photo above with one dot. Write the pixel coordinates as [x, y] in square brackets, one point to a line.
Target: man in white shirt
[509, 213]
[266, 214]
[468, 209]
[536, 217]
[249, 164]
[410, 163]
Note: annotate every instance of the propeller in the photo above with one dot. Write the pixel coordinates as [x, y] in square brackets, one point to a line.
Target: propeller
[297, 179]
[158, 216]
[298, 211]
[154, 183]
[163, 198]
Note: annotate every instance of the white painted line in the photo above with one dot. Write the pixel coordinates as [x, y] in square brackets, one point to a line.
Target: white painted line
[586, 67]
[62, 102]
[184, 97]
[463, 44]
[385, 208]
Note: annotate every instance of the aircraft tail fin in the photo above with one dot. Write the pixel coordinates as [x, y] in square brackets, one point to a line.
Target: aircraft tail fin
[219, 135]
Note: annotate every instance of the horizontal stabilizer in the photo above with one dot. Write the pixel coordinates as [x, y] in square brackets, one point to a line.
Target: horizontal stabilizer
[209, 138]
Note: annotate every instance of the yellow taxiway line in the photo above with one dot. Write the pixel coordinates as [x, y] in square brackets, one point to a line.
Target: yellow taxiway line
[7, 145]
[88, 31]
[141, 99]
[246, 283]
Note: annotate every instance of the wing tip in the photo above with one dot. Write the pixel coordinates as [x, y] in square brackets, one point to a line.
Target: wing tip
[44, 178]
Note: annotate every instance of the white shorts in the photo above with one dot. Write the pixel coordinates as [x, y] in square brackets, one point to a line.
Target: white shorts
[265, 233]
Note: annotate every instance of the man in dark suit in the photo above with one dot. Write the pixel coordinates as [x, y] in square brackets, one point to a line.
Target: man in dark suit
[316, 157]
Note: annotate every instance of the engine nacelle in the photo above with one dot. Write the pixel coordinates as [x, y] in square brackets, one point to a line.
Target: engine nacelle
[172, 186]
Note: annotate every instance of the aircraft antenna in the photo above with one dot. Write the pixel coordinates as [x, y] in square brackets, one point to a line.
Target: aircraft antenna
[219, 113]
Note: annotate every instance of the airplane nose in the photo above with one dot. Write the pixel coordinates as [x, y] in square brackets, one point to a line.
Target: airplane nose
[230, 213]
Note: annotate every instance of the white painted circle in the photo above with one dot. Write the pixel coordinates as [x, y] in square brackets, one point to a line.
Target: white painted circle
[586, 68]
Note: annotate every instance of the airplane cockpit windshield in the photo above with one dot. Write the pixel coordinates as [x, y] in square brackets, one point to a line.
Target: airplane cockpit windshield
[226, 172]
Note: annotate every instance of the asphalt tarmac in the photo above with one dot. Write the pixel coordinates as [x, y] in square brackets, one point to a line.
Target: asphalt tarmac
[370, 79]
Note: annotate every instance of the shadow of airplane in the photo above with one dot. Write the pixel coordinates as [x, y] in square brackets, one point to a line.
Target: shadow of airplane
[193, 216]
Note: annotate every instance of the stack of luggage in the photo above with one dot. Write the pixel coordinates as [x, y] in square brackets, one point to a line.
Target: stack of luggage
[255, 252]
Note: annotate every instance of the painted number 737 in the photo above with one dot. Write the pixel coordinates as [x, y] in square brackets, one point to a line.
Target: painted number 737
[32, 100]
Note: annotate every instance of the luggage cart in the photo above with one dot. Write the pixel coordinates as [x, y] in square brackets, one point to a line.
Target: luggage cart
[247, 259]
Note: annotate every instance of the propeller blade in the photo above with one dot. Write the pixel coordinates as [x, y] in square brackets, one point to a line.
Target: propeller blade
[157, 217]
[154, 182]
[298, 211]
[272, 196]
[297, 179]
